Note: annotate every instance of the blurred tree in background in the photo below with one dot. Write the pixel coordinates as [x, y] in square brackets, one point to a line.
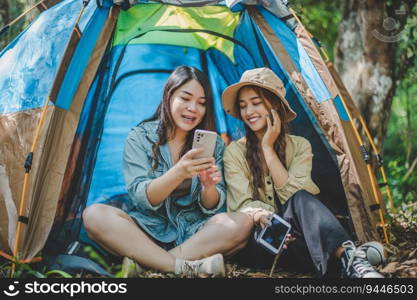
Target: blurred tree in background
[346, 28]
[373, 53]
[9, 10]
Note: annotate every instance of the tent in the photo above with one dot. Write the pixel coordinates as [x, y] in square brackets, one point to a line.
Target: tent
[84, 73]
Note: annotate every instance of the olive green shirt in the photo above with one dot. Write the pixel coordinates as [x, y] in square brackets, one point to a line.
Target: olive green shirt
[238, 176]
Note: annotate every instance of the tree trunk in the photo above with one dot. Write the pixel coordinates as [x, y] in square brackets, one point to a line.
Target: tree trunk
[365, 56]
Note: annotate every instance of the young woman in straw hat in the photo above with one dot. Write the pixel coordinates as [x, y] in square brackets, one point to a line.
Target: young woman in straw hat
[269, 171]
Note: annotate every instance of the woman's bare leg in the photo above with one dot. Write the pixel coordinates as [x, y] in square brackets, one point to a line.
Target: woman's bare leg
[223, 233]
[115, 231]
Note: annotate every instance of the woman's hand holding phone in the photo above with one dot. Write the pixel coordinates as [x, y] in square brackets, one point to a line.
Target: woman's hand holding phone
[188, 166]
[288, 240]
[262, 218]
[210, 177]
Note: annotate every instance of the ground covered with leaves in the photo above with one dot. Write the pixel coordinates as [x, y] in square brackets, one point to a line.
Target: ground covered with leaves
[401, 261]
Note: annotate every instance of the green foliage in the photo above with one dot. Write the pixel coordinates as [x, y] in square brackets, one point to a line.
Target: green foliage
[403, 190]
[92, 254]
[407, 48]
[11, 9]
[400, 147]
[404, 225]
[95, 256]
[39, 270]
[35, 270]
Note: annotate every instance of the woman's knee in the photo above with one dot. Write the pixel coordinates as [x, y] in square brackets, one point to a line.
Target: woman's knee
[95, 216]
[237, 226]
[304, 198]
[92, 216]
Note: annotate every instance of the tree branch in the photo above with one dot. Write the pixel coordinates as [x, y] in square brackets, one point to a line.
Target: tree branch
[410, 170]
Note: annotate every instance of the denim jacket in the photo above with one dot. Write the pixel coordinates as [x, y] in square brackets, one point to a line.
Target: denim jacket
[172, 220]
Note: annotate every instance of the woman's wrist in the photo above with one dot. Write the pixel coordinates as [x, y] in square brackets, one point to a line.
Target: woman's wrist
[177, 172]
[205, 189]
[266, 147]
[257, 215]
[210, 196]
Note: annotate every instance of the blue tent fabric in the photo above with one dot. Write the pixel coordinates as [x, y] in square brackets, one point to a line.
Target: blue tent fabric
[47, 36]
[80, 58]
[220, 78]
[341, 109]
[299, 56]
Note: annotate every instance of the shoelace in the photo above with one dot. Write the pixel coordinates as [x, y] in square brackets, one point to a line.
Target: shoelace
[191, 268]
[357, 259]
[360, 263]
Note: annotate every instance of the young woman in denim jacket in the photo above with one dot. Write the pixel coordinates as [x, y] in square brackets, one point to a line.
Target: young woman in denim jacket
[178, 222]
[269, 171]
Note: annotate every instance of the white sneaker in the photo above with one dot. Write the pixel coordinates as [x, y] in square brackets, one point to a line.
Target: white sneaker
[130, 268]
[355, 263]
[212, 265]
[375, 253]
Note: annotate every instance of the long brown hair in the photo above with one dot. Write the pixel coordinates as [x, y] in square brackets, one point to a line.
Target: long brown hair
[166, 129]
[254, 154]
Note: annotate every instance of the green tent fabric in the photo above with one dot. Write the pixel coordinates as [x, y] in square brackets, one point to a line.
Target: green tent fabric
[150, 21]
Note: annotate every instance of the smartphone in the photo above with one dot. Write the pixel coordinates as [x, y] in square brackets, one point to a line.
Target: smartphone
[204, 139]
[272, 237]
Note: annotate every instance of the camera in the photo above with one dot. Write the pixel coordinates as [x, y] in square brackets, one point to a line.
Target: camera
[272, 237]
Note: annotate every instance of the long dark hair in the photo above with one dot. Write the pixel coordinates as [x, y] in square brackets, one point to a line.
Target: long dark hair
[166, 129]
[254, 154]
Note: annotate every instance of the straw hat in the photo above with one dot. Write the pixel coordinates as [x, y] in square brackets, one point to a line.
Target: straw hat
[262, 77]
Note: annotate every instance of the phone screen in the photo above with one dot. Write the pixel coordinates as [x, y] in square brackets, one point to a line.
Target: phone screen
[275, 234]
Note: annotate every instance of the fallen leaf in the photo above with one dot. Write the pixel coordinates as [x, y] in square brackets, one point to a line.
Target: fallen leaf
[413, 253]
[412, 262]
[390, 268]
[258, 275]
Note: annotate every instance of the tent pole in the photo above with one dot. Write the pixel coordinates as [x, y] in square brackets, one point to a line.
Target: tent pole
[380, 163]
[23, 219]
[358, 137]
